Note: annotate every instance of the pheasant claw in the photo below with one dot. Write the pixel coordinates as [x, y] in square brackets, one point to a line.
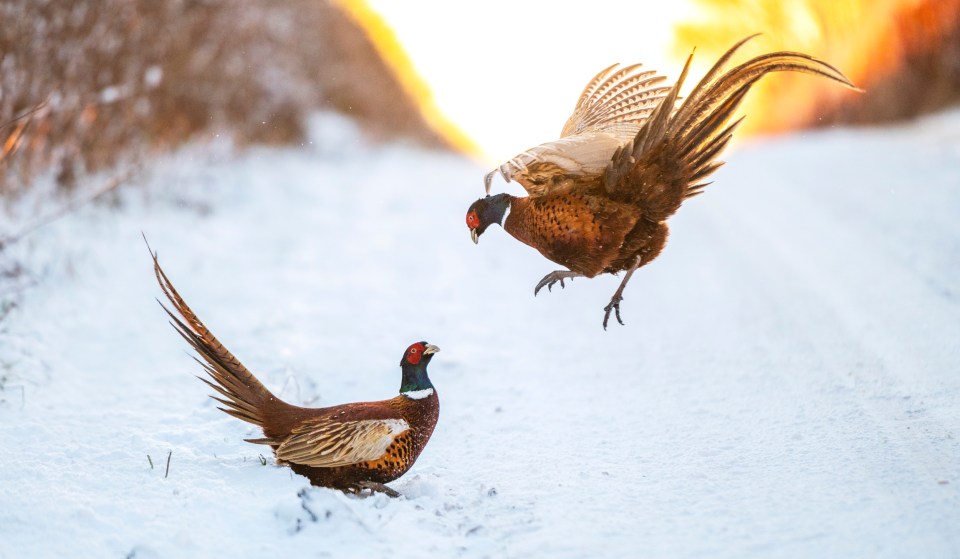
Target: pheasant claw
[614, 307]
[552, 278]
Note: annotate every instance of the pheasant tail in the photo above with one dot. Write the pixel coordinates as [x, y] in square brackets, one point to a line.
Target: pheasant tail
[243, 396]
[698, 130]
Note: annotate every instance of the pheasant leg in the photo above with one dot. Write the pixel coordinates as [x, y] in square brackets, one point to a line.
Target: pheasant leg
[374, 487]
[614, 305]
[553, 277]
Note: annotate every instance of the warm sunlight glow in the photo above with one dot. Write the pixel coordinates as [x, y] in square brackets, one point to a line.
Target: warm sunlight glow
[385, 41]
[509, 73]
[866, 39]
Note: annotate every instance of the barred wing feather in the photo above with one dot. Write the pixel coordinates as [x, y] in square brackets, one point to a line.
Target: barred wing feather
[328, 443]
[610, 111]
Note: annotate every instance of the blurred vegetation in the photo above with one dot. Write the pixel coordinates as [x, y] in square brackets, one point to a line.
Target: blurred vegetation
[905, 53]
[104, 81]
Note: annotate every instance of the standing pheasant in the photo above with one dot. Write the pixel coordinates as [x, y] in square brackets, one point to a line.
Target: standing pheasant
[599, 197]
[349, 447]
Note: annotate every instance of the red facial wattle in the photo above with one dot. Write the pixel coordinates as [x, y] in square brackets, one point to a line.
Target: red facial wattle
[473, 221]
[414, 353]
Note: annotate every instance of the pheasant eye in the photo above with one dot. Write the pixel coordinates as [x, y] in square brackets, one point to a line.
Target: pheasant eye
[413, 350]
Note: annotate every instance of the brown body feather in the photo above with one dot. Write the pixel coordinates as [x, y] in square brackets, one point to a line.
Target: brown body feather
[395, 459]
[340, 446]
[580, 230]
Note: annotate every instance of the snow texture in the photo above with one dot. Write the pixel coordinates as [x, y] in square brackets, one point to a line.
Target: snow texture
[786, 384]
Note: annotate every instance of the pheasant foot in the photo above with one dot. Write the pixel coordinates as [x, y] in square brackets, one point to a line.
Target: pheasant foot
[614, 305]
[552, 278]
[374, 487]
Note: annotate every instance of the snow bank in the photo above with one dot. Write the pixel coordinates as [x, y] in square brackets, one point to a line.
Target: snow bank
[786, 384]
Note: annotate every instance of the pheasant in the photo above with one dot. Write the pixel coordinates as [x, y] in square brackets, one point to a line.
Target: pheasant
[599, 197]
[350, 447]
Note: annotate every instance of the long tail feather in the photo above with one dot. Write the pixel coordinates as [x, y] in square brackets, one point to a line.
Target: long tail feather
[699, 127]
[244, 397]
[677, 147]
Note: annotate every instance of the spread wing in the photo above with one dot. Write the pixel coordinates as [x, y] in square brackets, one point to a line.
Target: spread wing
[610, 111]
[327, 443]
[617, 100]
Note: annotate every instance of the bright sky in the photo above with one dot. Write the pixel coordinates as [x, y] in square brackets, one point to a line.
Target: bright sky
[509, 72]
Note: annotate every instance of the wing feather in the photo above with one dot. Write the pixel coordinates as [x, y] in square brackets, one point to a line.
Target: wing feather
[328, 443]
[625, 122]
[629, 103]
[611, 109]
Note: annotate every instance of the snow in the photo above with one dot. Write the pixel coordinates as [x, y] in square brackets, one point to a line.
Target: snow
[785, 386]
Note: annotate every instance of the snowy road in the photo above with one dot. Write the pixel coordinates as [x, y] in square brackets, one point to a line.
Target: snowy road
[787, 383]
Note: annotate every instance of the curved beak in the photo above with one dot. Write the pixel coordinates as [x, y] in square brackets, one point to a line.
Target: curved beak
[474, 236]
[430, 349]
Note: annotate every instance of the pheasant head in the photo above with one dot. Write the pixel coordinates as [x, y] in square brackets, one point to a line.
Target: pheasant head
[415, 383]
[485, 212]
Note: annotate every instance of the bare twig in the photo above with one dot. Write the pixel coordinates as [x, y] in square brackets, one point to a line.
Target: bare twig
[166, 473]
[15, 138]
[150, 460]
[263, 461]
[109, 186]
[23, 115]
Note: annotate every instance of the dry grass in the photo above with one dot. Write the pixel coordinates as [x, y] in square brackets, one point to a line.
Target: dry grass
[113, 80]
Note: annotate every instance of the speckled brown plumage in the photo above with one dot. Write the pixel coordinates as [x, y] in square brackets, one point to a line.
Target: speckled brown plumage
[599, 197]
[398, 457]
[349, 446]
[581, 230]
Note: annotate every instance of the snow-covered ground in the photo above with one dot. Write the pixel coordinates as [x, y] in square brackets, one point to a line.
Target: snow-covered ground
[787, 383]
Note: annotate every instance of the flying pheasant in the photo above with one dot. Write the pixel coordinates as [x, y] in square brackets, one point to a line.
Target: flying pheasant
[350, 447]
[599, 197]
